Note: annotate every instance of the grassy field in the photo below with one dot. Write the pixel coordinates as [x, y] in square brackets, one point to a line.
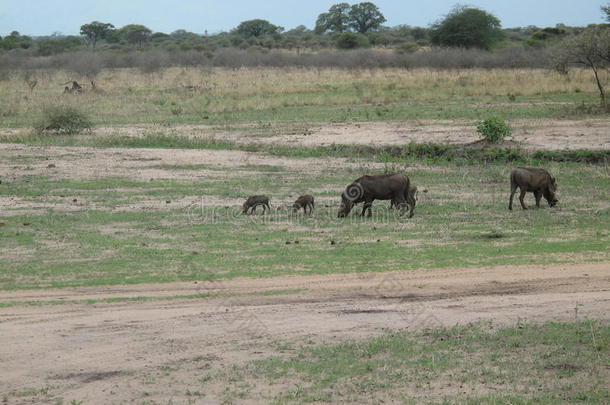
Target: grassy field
[553, 363]
[222, 96]
[118, 207]
[92, 229]
[119, 229]
[549, 363]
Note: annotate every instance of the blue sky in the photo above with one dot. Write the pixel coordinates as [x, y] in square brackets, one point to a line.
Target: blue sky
[44, 17]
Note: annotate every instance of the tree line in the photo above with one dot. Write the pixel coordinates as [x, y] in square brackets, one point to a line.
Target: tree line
[343, 26]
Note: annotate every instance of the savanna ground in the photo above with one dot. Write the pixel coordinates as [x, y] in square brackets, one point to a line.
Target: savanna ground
[129, 275]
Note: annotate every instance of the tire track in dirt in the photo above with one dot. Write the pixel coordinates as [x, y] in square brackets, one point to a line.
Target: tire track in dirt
[377, 281]
[106, 352]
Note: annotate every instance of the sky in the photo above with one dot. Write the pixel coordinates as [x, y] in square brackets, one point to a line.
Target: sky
[45, 17]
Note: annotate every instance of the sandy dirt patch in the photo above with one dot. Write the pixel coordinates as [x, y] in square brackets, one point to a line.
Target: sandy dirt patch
[78, 163]
[529, 134]
[108, 353]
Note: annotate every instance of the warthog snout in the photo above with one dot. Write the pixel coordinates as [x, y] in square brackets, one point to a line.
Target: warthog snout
[344, 208]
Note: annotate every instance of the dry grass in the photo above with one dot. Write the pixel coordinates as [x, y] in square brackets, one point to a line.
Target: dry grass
[129, 96]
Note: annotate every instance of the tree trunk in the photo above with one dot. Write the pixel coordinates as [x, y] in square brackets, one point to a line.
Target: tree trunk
[602, 93]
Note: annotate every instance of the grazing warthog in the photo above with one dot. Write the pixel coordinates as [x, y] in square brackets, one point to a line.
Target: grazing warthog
[304, 201]
[367, 189]
[255, 201]
[533, 180]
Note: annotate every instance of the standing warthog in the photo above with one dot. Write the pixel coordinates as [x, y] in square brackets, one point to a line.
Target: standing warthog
[255, 201]
[533, 180]
[304, 201]
[367, 189]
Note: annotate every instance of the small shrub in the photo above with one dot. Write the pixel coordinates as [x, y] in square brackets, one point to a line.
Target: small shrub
[351, 40]
[493, 129]
[63, 119]
[493, 235]
[407, 47]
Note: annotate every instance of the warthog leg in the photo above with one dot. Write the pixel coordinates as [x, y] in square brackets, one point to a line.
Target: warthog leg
[367, 206]
[513, 190]
[411, 203]
[401, 206]
[521, 196]
[538, 196]
[310, 206]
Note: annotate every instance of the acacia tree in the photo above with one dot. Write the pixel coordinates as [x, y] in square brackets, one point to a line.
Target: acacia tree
[94, 31]
[591, 48]
[336, 20]
[466, 27]
[136, 34]
[364, 17]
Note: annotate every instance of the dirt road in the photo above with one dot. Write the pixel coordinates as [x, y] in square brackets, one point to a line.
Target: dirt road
[157, 349]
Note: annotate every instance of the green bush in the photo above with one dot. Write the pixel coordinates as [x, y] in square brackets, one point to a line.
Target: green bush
[493, 129]
[351, 40]
[407, 47]
[63, 119]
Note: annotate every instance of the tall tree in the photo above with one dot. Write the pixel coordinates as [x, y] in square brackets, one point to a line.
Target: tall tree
[94, 31]
[364, 17]
[606, 11]
[257, 28]
[15, 40]
[467, 27]
[591, 49]
[335, 20]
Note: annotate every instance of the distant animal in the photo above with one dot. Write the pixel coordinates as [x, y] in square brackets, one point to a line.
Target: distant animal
[533, 180]
[366, 189]
[254, 201]
[304, 201]
[76, 88]
[30, 81]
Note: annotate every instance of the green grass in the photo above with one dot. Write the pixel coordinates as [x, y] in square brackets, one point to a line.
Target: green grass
[429, 151]
[104, 242]
[552, 363]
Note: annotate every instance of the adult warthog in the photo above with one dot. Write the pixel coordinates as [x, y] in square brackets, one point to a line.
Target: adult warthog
[532, 180]
[366, 189]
